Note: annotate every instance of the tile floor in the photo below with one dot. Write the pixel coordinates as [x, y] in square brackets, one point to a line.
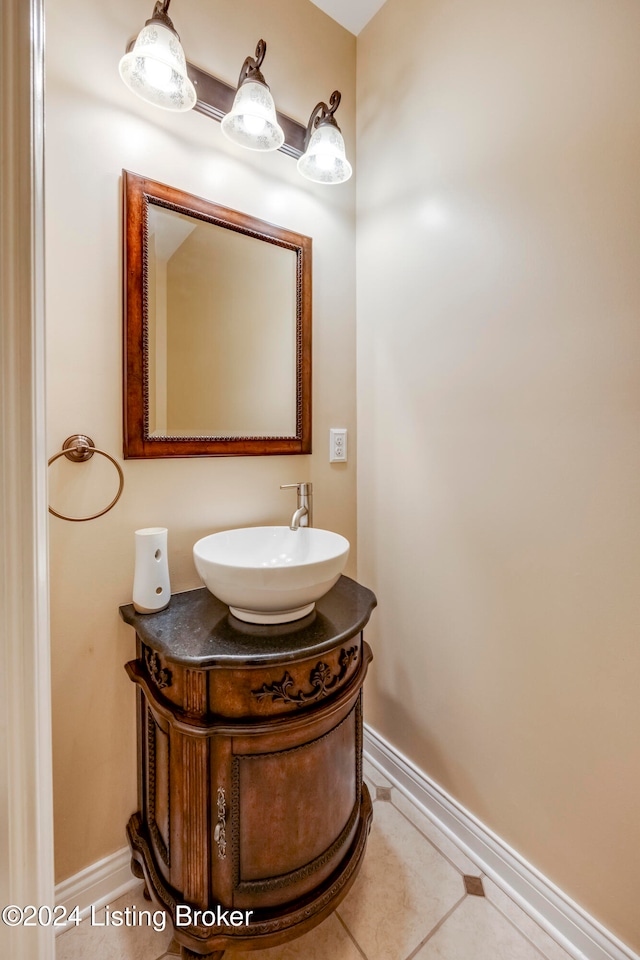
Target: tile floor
[409, 903]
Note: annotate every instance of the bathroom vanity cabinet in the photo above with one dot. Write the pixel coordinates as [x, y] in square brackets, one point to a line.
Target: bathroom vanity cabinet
[253, 816]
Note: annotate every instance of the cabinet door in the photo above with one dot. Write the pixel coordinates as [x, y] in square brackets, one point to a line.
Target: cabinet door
[295, 813]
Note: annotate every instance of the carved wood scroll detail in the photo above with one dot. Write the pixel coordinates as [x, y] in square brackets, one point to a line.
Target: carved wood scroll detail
[160, 675]
[321, 679]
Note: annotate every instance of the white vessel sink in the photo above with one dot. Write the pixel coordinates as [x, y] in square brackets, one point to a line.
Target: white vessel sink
[270, 574]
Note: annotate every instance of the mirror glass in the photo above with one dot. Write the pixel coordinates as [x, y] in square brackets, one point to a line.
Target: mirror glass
[222, 331]
[217, 329]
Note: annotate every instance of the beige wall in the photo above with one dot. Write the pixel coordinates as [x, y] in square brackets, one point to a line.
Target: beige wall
[95, 127]
[499, 387]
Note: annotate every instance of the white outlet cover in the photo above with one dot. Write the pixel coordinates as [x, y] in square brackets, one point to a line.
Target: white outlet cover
[338, 445]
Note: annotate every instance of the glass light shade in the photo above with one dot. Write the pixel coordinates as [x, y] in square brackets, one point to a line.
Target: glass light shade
[325, 160]
[156, 69]
[252, 120]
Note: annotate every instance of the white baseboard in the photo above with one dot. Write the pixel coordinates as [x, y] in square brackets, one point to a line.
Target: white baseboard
[566, 922]
[102, 882]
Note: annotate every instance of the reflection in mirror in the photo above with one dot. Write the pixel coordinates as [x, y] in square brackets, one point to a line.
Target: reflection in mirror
[217, 324]
[222, 351]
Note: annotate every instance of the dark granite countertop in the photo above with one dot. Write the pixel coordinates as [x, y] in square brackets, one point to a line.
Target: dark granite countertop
[196, 627]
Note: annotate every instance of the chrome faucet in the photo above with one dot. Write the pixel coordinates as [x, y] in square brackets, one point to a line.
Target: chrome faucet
[303, 515]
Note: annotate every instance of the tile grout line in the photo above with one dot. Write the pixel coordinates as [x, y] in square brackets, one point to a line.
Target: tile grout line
[351, 936]
[437, 927]
[429, 840]
[481, 874]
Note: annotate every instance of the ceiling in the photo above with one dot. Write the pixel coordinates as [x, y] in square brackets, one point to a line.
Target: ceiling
[352, 14]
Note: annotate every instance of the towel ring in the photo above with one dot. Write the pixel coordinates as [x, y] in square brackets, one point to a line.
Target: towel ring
[79, 448]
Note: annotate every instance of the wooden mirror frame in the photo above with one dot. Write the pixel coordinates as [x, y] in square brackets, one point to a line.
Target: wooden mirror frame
[138, 192]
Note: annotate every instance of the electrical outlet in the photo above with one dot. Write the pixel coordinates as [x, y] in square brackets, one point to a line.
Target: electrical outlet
[337, 445]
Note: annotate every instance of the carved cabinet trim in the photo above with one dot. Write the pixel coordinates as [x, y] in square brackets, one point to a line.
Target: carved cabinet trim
[321, 679]
[154, 777]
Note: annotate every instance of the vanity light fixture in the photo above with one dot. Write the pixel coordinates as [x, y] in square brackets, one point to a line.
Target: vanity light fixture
[156, 68]
[252, 121]
[324, 159]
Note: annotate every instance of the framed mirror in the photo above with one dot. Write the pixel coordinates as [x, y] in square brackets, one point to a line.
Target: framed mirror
[217, 329]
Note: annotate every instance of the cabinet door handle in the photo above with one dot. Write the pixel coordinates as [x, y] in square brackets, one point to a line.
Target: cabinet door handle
[220, 831]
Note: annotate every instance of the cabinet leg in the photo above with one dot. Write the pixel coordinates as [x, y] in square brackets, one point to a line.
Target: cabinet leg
[190, 955]
[138, 872]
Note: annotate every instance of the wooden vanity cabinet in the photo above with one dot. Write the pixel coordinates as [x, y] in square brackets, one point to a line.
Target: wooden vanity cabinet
[252, 808]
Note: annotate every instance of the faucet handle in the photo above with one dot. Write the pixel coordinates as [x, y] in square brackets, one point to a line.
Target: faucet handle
[305, 489]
